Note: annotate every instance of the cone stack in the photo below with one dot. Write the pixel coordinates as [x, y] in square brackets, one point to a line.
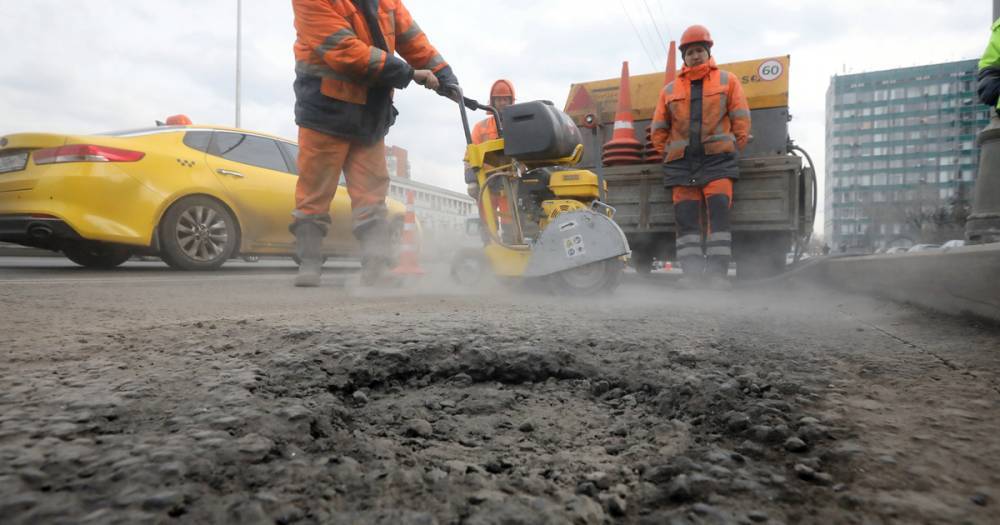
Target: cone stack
[409, 263]
[623, 148]
[651, 155]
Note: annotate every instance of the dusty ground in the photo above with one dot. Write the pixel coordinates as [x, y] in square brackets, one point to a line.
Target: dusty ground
[151, 396]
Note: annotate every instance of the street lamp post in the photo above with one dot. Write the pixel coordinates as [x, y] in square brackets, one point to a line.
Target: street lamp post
[239, 45]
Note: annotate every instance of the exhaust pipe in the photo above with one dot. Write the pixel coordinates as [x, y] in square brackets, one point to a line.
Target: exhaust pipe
[40, 232]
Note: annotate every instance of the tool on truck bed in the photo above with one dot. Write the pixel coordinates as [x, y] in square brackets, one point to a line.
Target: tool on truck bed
[564, 235]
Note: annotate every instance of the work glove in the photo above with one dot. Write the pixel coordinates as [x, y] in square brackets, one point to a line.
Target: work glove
[446, 77]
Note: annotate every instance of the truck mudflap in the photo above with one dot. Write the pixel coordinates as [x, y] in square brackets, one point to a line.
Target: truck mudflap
[576, 239]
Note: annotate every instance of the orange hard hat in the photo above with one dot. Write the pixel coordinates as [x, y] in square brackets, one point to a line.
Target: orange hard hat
[178, 120]
[696, 34]
[502, 88]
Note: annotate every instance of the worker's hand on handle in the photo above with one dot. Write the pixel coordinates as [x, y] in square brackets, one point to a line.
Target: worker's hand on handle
[426, 78]
[450, 91]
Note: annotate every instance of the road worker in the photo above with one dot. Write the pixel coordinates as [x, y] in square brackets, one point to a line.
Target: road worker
[989, 71]
[346, 70]
[701, 122]
[501, 96]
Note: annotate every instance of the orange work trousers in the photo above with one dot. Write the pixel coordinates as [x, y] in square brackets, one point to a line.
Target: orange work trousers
[717, 196]
[322, 158]
[701, 193]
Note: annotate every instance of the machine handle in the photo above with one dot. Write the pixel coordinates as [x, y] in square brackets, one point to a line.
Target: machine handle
[231, 173]
[466, 102]
[598, 206]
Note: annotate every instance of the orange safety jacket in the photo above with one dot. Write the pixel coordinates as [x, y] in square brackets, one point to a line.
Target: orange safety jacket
[725, 123]
[484, 130]
[333, 42]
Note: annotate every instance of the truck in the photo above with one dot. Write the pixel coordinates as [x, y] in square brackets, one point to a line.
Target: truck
[774, 200]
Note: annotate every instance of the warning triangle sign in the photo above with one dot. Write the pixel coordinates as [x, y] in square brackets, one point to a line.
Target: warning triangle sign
[580, 100]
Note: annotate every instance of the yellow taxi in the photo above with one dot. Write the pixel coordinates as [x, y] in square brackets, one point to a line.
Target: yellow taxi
[196, 196]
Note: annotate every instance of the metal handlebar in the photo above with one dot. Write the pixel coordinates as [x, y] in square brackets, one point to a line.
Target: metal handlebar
[472, 104]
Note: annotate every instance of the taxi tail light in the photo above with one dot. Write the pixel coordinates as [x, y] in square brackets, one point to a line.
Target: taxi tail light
[85, 153]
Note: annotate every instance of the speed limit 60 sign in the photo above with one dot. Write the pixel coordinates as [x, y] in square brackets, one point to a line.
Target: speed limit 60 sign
[770, 70]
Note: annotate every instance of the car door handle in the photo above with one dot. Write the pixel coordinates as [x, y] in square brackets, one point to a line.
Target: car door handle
[231, 173]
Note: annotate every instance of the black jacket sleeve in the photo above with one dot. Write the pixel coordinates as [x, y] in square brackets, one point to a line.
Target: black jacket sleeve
[989, 85]
[446, 76]
[396, 73]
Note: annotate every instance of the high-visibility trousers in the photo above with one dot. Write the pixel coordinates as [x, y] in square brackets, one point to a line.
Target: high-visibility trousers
[321, 160]
[716, 237]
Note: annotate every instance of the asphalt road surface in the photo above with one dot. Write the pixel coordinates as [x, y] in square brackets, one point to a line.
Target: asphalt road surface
[147, 395]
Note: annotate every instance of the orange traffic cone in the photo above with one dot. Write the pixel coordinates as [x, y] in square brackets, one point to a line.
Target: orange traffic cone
[623, 148]
[409, 263]
[651, 155]
[671, 64]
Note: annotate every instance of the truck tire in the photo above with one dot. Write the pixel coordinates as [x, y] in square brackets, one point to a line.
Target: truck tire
[642, 261]
[760, 255]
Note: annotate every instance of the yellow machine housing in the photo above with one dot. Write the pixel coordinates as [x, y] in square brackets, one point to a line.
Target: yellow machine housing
[575, 184]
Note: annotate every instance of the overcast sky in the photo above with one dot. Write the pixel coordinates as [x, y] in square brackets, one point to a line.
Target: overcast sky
[99, 65]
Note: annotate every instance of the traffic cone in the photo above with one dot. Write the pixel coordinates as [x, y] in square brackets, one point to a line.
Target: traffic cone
[409, 260]
[623, 148]
[671, 72]
[651, 154]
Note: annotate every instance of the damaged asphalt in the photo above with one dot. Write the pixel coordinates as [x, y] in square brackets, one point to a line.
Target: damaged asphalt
[245, 401]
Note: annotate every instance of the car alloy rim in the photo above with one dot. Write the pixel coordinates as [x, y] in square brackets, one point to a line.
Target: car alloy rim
[202, 234]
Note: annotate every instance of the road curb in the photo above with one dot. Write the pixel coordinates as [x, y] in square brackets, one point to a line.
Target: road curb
[959, 281]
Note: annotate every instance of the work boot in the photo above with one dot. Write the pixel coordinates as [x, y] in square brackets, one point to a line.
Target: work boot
[717, 273]
[694, 272]
[308, 243]
[377, 254]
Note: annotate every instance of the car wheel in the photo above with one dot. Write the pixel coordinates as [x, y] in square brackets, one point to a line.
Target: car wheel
[96, 255]
[198, 233]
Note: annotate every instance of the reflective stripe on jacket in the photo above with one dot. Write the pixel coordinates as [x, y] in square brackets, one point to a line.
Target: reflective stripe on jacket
[333, 42]
[725, 115]
[484, 130]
